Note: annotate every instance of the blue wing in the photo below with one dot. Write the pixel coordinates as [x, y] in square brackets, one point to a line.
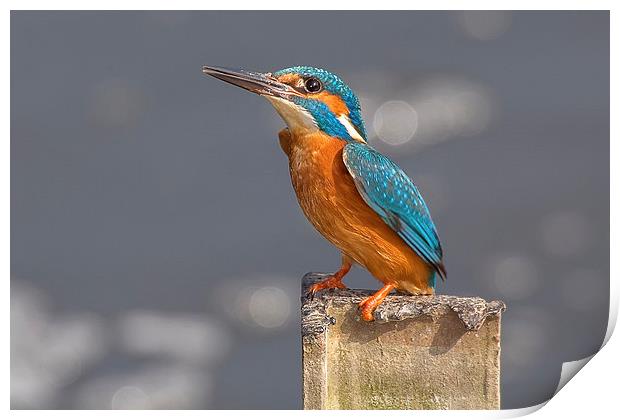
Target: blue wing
[392, 194]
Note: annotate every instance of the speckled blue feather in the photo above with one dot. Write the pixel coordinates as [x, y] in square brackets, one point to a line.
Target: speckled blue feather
[327, 120]
[392, 194]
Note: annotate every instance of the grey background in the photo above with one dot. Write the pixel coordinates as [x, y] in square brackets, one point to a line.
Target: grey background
[157, 245]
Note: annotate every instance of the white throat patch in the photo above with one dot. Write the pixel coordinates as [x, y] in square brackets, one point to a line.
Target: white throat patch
[295, 116]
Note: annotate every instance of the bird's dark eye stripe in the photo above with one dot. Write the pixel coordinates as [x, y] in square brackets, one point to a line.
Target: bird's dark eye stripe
[313, 85]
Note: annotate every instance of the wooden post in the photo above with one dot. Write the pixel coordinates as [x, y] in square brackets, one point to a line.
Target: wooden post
[421, 352]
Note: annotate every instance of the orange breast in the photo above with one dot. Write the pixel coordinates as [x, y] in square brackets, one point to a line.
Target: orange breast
[330, 200]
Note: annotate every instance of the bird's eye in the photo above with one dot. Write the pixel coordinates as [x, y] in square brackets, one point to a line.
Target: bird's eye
[313, 85]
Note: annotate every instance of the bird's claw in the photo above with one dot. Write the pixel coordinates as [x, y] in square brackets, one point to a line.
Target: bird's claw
[331, 283]
[310, 294]
[367, 307]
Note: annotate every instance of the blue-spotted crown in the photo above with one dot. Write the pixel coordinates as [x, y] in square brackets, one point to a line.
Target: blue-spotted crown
[326, 120]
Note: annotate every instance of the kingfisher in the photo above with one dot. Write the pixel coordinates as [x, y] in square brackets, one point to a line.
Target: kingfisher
[357, 198]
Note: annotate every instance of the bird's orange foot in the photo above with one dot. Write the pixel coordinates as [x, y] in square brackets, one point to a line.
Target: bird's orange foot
[332, 282]
[368, 305]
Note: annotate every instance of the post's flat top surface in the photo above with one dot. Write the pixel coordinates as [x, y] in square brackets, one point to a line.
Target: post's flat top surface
[472, 311]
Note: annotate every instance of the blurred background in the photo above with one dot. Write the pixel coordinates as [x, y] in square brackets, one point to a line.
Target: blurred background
[157, 246]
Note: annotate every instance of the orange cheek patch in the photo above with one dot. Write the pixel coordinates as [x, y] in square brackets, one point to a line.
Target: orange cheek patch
[333, 102]
[289, 79]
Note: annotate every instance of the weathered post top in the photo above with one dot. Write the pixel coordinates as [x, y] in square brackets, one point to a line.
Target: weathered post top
[421, 352]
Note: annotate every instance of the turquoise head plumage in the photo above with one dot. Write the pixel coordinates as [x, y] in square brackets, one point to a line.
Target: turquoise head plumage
[305, 97]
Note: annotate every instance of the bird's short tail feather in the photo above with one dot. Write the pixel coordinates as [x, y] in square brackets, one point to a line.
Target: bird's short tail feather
[441, 269]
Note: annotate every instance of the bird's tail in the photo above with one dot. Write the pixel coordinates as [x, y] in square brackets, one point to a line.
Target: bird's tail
[441, 269]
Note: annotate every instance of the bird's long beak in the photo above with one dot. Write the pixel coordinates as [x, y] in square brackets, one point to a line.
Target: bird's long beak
[260, 83]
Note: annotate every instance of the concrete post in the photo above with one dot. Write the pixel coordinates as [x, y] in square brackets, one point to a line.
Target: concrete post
[421, 352]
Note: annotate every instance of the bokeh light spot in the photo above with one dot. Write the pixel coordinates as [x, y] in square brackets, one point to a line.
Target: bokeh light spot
[269, 307]
[395, 122]
[514, 276]
[191, 338]
[450, 107]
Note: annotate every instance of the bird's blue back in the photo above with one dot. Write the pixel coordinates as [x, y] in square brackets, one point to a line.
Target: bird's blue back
[392, 195]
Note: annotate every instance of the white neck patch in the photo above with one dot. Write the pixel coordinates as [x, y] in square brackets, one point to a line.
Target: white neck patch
[346, 123]
[296, 118]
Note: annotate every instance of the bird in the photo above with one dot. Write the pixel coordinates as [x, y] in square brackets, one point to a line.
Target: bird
[360, 200]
